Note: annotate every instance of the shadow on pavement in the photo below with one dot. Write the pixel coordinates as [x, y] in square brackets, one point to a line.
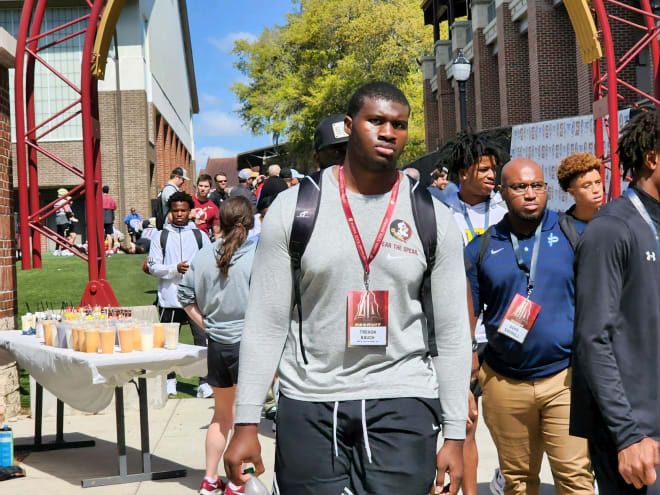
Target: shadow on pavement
[100, 461]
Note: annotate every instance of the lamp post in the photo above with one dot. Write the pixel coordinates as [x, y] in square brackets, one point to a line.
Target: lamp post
[461, 69]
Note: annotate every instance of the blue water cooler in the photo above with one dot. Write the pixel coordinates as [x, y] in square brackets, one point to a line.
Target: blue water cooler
[6, 447]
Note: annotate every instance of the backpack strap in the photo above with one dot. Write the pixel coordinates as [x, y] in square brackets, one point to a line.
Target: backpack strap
[483, 245]
[424, 215]
[163, 241]
[198, 237]
[307, 209]
[567, 226]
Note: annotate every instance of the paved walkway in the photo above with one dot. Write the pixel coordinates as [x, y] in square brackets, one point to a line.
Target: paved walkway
[177, 435]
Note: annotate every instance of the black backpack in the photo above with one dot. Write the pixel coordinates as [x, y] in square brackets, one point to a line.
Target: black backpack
[157, 208]
[165, 233]
[307, 208]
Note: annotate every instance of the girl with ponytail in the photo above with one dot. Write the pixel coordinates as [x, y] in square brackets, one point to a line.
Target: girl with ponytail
[214, 293]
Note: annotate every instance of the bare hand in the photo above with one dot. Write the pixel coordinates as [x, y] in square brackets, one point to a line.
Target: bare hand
[244, 448]
[637, 463]
[450, 461]
[182, 267]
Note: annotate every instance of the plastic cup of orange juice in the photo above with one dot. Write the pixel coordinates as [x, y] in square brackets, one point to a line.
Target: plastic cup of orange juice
[92, 339]
[159, 335]
[137, 339]
[48, 331]
[107, 334]
[126, 338]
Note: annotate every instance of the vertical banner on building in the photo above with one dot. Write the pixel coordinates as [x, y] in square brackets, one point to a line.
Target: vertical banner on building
[549, 142]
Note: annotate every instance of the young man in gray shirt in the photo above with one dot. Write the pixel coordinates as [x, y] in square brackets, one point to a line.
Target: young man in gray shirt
[353, 418]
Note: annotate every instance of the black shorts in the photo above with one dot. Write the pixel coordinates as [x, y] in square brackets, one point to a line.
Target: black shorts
[64, 229]
[391, 448]
[222, 361]
[107, 228]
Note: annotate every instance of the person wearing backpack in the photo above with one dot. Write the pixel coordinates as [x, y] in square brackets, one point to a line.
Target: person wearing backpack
[170, 253]
[371, 366]
[177, 178]
[475, 160]
[579, 175]
[521, 278]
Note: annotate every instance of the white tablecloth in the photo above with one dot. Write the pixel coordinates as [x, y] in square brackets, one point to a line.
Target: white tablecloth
[86, 381]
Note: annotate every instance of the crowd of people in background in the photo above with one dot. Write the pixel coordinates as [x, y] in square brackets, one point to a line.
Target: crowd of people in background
[550, 318]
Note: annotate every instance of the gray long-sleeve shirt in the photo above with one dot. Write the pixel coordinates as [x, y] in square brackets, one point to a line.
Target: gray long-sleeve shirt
[331, 267]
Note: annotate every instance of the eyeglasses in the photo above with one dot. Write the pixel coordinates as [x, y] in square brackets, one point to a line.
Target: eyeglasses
[520, 189]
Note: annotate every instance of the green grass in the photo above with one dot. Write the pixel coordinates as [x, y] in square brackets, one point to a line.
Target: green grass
[63, 279]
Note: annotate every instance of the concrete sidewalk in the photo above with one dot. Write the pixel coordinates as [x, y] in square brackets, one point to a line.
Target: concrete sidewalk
[177, 434]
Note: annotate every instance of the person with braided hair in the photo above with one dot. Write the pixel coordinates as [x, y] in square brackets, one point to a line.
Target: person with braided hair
[214, 294]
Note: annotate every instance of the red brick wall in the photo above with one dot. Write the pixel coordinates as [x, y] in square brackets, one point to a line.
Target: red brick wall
[584, 84]
[513, 65]
[8, 298]
[486, 84]
[431, 120]
[552, 68]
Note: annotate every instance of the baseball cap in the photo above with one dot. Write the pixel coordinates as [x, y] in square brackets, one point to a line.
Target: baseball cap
[246, 174]
[330, 131]
[62, 191]
[181, 173]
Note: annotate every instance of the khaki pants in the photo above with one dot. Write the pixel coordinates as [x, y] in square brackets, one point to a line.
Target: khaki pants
[528, 418]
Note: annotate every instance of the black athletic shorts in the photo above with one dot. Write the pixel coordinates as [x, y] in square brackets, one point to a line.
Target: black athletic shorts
[64, 229]
[107, 228]
[371, 447]
[222, 362]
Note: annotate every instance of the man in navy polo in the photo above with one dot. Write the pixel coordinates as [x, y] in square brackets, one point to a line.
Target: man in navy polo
[521, 275]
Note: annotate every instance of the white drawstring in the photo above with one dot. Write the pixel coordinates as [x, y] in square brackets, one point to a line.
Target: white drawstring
[334, 428]
[364, 433]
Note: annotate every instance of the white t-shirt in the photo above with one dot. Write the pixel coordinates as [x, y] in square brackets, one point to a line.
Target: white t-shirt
[477, 215]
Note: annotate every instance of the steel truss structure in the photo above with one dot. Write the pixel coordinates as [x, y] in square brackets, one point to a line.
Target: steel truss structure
[29, 144]
[607, 84]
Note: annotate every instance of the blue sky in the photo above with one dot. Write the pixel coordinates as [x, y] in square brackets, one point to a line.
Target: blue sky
[214, 25]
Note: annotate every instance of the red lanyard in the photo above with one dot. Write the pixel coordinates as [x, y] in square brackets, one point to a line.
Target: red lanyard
[354, 230]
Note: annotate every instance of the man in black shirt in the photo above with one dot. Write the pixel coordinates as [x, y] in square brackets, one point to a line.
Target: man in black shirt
[219, 194]
[616, 365]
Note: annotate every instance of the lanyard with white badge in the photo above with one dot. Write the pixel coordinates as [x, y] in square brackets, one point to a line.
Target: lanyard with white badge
[639, 206]
[469, 222]
[367, 309]
[522, 311]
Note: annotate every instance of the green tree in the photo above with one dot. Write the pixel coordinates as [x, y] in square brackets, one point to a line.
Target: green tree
[300, 72]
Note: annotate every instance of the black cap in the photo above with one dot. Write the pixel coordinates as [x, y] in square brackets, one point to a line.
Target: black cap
[330, 132]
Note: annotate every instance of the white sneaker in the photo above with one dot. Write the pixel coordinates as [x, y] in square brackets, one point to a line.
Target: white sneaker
[171, 386]
[66, 252]
[497, 483]
[57, 253]
[204, 391]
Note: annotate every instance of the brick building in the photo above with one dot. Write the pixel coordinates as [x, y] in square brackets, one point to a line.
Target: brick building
[146, 102]
[526, 65]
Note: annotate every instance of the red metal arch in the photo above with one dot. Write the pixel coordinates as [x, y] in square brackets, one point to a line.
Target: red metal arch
[29, 135]
[606, 86]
